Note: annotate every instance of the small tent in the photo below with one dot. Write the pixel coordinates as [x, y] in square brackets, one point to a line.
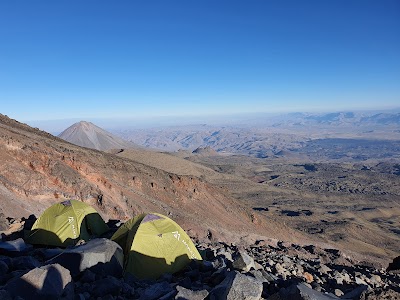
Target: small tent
[63, 224]
[153, 245]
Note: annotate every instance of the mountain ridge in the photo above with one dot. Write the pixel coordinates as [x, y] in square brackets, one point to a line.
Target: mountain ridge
[87, 134]
[39, 169]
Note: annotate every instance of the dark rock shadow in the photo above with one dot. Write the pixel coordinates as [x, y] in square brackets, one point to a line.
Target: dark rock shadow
[52, 287]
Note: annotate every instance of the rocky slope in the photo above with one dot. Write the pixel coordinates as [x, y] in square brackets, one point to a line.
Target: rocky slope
[266, 269]
[39, 169]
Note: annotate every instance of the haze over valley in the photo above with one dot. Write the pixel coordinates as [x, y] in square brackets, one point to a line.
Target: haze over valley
[337, 136]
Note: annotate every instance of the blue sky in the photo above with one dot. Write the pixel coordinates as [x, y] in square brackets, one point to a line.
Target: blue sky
[128, 59]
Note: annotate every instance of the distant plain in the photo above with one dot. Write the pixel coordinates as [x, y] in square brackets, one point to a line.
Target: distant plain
[334, 177]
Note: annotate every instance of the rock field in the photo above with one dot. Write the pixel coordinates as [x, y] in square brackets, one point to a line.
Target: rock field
[263, 270]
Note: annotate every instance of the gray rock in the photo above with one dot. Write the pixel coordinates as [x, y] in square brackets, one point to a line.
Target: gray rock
[17, 246]
[156, 291]
[237, 286]
[270, 262]
[287, 260]
[324, 269]
[102, 256]
[375, 279]
[258, 266]
[186, 294]
[341, 278]
[216, 278]
[47, 282]
[263, 276]
[106, 286]
[299, 269]
[281, 270]
[300, 292]
[226, 254]
[360, 281]
[243, 262]
[355, 294]
[221, 262]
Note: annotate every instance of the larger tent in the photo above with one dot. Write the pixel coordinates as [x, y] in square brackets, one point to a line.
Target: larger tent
[63, 224]
[153, 245]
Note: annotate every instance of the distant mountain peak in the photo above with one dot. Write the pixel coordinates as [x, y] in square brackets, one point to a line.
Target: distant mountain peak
[87, 134]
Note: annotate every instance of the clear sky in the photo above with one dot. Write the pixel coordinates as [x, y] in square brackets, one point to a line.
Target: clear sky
[85, 59]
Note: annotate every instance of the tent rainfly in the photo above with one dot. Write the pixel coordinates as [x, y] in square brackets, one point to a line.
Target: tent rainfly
[153, 244]
[63, 224]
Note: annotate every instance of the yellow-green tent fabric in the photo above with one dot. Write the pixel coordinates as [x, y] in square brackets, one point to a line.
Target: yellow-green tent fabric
[153, 245]
[63, 224]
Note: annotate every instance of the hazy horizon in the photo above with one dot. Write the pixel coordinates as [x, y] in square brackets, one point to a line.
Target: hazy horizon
[58, 125]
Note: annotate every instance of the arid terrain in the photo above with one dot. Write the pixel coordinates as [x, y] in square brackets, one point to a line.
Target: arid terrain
[335, 177]
[38, 169]
[297, 192]
[333, 137]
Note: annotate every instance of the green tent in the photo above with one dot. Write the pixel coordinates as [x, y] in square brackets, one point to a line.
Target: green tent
[153, 245]
[65, 223]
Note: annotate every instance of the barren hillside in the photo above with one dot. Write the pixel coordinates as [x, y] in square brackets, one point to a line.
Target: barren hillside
[38, 169]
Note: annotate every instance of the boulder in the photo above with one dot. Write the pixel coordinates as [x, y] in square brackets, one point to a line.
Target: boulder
[341, 278]
[282, 270]
[237, 286]
[394, 265]
[102, 256]
[355, 293]
[263, 276]
[375, 279]
[187, 294]
[15, 247]
[47, 282]
[243, 262]
[324, 269]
